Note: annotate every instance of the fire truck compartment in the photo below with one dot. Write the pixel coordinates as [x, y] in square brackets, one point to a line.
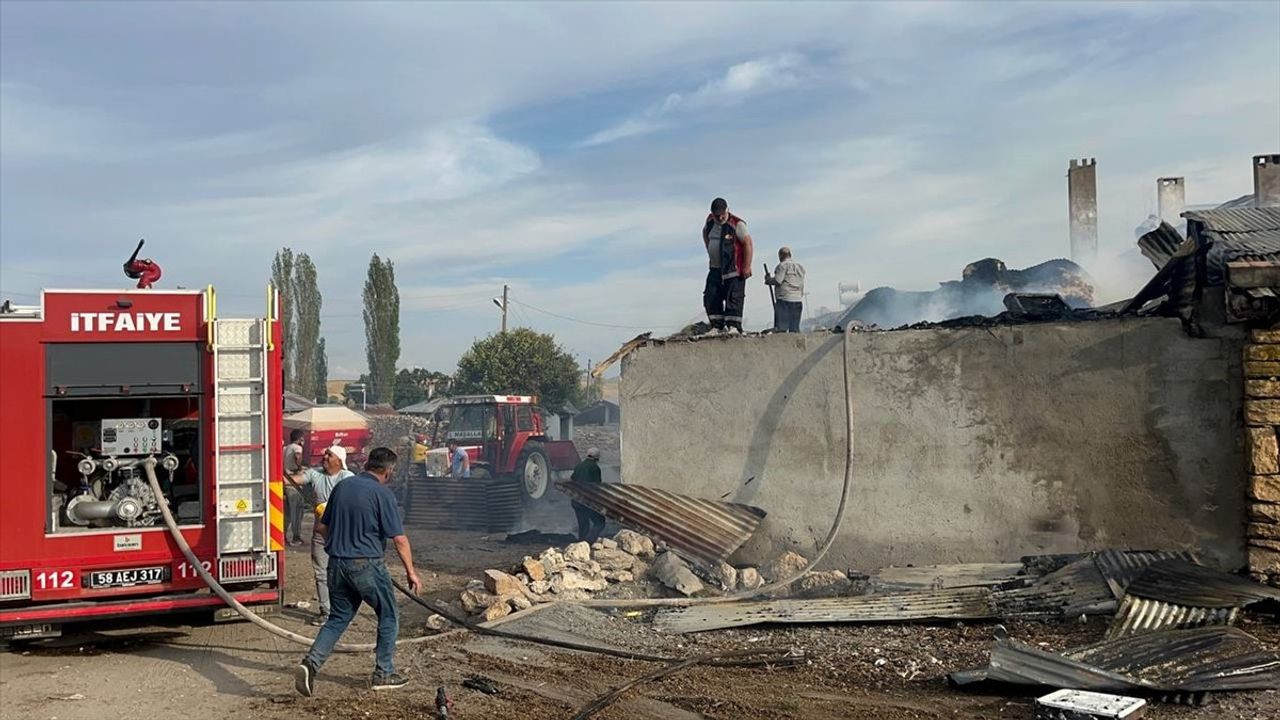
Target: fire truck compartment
[99, 445]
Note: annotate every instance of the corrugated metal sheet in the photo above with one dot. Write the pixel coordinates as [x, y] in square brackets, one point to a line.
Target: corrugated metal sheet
[1237, 220]
[485, 504]
[1075, 589]
[1185, 583]
[1169, 661]
[942, 577]
[1139, 615]
[1121, 567]
[1204, 659]
[1160, 244]
[704, 531]
[958, 604]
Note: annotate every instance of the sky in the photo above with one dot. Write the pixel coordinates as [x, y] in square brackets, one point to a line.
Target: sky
[571, 150]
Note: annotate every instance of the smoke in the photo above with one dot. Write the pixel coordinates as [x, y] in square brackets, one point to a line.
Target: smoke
[980, 291]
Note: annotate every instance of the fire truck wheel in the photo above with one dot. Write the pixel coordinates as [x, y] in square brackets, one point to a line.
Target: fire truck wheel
[534, 472]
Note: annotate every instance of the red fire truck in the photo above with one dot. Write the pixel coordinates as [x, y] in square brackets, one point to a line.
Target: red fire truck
[98, 386]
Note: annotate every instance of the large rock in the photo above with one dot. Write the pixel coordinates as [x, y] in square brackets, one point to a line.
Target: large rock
[1262, 369]
[437, 623]
[1258, 388]
[473, 601]
[1262, 451]
[1263, 560]
[831, 583]
[749, 579]
[519, 602]
[604, 544]
[577, 552]
[1262, 352]
[1262, 412]
[552, 560]
[571, 579]
[784, 566]
[671, 571]
[534, 569]
[614, 559]
[540, 587]
[724, 575]
[1263, 531]
[619, 576]
[634, 543]
[495, 611]
[1264, 512]
[1265, 488]
[500, 583]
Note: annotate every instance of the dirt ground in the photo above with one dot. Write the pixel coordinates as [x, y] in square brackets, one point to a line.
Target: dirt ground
[206, 671]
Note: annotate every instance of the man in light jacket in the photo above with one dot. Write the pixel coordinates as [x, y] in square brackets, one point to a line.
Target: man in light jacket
[788, 278]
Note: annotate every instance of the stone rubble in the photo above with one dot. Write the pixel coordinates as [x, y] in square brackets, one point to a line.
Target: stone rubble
[629, 565]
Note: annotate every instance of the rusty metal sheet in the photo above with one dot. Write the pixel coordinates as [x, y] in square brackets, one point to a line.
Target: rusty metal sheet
[1168, 661]
[1121, 567]
[958, 604]
[943, 577]
[1186, 583]
[701, 531]
[1075, 589]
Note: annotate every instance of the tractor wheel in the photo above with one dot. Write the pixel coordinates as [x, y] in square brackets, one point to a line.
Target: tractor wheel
[533, 471]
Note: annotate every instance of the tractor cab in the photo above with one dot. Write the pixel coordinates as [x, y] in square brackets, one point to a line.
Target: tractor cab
[503, 436]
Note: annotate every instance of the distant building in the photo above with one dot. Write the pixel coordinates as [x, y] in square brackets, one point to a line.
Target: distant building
[600, 412]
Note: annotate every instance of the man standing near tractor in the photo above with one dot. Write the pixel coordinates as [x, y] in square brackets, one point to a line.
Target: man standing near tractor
[730, 253]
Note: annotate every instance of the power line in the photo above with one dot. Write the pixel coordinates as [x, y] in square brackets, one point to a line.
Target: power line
[591, 322]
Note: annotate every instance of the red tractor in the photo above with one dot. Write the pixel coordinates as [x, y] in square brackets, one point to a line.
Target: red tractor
[512, 466]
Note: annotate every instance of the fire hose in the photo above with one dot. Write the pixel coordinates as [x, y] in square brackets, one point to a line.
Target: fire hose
[768, 656]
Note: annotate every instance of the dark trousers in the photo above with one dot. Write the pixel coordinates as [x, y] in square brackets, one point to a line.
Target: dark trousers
[723, 300]
[351, 582]
[786, 316]
[590, 523]
[294, 505]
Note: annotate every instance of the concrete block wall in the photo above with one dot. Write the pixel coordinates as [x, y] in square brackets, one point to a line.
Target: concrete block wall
[970, 445]
[1262, 416]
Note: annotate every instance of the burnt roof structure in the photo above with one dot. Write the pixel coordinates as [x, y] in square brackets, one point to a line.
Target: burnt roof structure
[1236, 249]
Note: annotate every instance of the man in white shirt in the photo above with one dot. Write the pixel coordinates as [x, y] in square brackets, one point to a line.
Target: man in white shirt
[333, 469]
[788, 277]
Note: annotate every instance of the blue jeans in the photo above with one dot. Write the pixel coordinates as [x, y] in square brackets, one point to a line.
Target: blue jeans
[352, 581]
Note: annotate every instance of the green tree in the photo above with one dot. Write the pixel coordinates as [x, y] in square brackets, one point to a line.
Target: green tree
[381, 328]
[282, 279]
[322, 374]
[521, 362]
[413, 385]
[409, 389]
[306, 322]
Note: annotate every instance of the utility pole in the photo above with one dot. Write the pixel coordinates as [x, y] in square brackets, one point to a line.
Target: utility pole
[503, 306]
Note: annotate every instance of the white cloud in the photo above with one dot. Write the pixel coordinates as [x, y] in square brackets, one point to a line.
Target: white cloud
[739, 83]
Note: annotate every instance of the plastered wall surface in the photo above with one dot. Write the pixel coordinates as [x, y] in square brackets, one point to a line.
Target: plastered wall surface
[970, 445]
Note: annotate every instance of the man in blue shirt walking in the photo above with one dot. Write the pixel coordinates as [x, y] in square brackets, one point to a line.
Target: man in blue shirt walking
[359, 518]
